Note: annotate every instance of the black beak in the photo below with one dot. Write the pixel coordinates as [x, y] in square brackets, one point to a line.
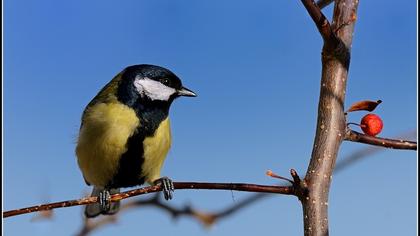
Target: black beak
[186, 92]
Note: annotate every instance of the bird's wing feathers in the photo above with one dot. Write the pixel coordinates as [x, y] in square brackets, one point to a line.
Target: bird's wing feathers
[107, 94]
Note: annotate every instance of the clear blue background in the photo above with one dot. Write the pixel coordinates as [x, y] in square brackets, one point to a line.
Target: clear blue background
[256, 67]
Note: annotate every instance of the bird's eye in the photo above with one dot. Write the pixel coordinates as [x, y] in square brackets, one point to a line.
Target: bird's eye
[165, 81]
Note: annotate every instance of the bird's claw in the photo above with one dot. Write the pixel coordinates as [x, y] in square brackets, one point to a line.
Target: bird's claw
[105, 200]
[167, 187]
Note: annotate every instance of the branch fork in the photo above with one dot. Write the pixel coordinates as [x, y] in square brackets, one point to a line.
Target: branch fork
[300, 189]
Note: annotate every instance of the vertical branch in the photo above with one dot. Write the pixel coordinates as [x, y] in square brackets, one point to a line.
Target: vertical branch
[331, 129]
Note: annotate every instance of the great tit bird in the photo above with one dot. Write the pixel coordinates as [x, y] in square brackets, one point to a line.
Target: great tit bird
[125, 133]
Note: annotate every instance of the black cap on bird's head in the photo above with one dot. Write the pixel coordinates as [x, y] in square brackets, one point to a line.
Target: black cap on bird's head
[151, 83]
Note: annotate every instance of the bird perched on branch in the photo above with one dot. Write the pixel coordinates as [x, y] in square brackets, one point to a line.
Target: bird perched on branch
[125, 134]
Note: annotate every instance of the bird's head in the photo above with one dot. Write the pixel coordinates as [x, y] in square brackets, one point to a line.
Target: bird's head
[150, 83]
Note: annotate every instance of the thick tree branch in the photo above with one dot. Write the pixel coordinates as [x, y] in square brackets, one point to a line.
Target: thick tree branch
[287, 190]
[354, 136]
[331, 127]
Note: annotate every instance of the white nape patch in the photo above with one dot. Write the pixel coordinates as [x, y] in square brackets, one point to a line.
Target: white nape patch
[153, 89]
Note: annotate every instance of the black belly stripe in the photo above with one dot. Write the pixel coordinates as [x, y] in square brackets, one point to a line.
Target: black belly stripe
[130, 164]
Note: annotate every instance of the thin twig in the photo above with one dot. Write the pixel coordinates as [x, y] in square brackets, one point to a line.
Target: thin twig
[91, 225]
[287, 190]
[354, 136]
[367, 151]
[206, 218]
[323, 3]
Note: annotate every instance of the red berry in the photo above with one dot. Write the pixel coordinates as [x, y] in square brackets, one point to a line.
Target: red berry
[371, 124]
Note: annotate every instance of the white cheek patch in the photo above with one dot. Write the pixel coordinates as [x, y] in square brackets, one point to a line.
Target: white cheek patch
[153, 89]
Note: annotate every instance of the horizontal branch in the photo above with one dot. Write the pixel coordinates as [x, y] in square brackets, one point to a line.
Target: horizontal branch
[286, 190]
[354, 136]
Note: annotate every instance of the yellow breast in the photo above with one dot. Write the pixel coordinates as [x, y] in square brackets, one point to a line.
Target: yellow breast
[102, 140]
[156, 148]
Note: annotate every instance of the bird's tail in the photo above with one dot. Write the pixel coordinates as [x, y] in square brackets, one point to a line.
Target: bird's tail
[93, 210]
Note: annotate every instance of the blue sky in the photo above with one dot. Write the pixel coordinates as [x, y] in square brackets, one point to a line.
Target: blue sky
[256, 68]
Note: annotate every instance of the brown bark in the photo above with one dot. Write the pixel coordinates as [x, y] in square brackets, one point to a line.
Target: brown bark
[331, 124]
[354, 136]
[287, 190]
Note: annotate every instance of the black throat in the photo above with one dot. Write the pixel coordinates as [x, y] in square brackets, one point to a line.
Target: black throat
[150, 112]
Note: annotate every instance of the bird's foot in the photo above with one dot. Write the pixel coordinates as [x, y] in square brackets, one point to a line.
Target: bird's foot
[105, 200]
[167, 187]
